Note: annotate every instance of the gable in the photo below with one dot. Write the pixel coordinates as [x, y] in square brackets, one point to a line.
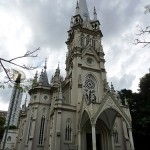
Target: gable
[89, 50]
[109, 101]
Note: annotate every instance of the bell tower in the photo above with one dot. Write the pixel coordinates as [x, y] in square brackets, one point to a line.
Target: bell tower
[98, 107]
[85, 57]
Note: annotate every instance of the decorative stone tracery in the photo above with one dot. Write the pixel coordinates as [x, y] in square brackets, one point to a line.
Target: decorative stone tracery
[68, 131]
[90, 89]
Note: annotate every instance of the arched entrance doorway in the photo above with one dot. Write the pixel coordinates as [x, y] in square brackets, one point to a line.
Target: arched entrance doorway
[104, 124]
[98, 134]
[99, 130]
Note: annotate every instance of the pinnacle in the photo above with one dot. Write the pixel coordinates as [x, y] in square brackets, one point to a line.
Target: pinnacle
[83, 10]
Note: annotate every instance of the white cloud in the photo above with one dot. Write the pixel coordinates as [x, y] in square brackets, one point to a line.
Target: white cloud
[27, 25]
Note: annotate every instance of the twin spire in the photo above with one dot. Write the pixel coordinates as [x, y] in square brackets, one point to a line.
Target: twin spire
[82, 10]
[43, 79]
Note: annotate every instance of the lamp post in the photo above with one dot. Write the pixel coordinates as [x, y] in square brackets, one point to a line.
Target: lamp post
[17, 82]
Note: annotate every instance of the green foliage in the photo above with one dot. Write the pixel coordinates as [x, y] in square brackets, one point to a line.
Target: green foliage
[145, 87]
[2, 123]
[125, 94]
[139, 104]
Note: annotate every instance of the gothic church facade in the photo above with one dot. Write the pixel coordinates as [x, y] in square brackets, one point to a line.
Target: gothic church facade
[81, 112]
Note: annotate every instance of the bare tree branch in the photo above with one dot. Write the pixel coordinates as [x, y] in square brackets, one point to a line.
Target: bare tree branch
[9, 74]
[143, 32]
[27, 54]
[5, 70]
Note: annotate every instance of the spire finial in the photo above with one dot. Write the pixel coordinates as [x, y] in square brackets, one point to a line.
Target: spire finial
[77, 8]
[112, 87]
[58, 66]
[95, 14]
[77, 5]
[34, 82]
[45, 67]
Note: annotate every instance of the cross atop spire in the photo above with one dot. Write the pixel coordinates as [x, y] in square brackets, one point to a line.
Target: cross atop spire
[83, 10]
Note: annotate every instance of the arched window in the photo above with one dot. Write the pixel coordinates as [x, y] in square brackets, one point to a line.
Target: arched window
[93, 42]
[9, 138]
[22, 129]
[87, 40]
[90, 89]
[68, 131]
[30, 128]
[41, 135]
[82, 40]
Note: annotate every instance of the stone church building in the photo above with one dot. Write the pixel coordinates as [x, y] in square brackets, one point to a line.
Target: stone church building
[80, 112]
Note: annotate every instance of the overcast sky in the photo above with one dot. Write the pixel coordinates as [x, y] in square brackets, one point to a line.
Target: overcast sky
[29, 24]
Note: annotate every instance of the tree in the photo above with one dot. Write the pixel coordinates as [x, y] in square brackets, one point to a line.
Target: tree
[144, 32]
[2, 128]
[145, 104]
[145, 87]
[9, 72]
[139, 104]
[10, 79]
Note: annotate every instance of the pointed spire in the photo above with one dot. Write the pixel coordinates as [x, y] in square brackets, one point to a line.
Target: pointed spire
[60, 96]
[36, 75]
[77, 8]
[58, 66]
[45, 67]
[34, 82]
[56, 78]
[58, 70]
[112, 88]
[43, 80]
[83, 10]
[95, 14]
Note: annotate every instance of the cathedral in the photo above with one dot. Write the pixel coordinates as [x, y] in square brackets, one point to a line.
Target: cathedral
[80, 112]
